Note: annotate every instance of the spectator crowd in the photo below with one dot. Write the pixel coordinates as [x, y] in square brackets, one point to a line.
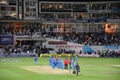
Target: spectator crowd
[86, 38]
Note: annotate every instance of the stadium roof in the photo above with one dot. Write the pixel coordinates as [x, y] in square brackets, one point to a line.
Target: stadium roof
[78, 0]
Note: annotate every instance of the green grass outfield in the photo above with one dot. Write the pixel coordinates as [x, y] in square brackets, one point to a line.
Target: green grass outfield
[91, 69]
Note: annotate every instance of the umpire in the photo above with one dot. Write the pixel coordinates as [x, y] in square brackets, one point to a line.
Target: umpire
[77, 68]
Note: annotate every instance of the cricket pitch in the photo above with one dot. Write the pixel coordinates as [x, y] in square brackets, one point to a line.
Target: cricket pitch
[45, 70]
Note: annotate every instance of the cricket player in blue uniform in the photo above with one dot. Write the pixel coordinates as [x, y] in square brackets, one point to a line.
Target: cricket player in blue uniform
[72, 64]
[53, 62]
[50, 60]
[60, 64]
[36, 58]
[76, 58]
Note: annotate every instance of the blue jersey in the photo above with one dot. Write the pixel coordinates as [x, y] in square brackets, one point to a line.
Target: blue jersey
[76, 58]
[50, 60]
[60, 64]
[53, 62]
[72, 64]
[35, 58]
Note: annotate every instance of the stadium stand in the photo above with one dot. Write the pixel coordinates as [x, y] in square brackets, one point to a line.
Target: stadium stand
[86, 23]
